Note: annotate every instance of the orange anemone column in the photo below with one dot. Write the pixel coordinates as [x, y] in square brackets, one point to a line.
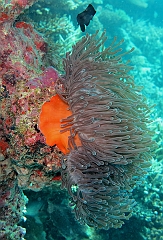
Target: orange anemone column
[50, 123]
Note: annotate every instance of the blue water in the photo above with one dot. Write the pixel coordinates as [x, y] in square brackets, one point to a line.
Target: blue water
[140, 24]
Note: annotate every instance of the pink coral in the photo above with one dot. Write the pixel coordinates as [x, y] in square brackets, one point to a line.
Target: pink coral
[22, 3]
[47, 79]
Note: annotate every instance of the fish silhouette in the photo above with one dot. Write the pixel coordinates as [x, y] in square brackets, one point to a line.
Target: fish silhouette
[84, 17]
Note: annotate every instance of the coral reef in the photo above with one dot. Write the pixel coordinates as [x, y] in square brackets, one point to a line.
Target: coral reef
[12, 199]
[11, 9]
[147, 36]
[153, 196]
[27, 80]
[57, 28]
[147, 40]
[26, 162]
[140, 3]
[114, 18]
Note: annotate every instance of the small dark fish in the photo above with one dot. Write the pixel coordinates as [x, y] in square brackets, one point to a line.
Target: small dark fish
[84, 17]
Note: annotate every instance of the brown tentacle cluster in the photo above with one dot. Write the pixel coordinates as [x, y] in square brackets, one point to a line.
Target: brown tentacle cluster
[110, 117]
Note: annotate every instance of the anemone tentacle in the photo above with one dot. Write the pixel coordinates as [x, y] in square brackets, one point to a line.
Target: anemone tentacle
[110, 117]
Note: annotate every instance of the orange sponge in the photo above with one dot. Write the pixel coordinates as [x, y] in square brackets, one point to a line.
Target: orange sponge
[50, 125]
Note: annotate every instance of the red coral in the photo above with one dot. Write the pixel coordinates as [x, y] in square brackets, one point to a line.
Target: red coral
[23, 25]
[39, 172]
[3, 146]
[56, 178]
[3, 17]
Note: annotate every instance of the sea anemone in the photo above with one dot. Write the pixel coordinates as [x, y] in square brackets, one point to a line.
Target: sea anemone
[108, 145]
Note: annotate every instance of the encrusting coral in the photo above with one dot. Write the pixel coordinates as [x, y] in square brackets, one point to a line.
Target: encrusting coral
[110, 117]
